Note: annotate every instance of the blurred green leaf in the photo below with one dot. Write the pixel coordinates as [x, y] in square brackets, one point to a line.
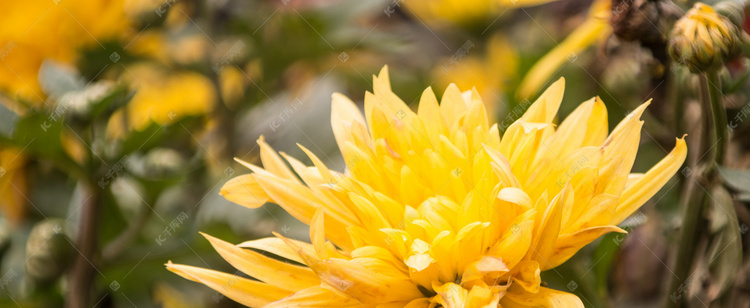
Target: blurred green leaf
[118, 97]
[606, 252]
[39, 133]
[141, 140]
[737, 179]
[725, 258]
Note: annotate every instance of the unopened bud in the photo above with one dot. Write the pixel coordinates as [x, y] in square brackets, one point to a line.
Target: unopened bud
[48, 251]
[703, 39]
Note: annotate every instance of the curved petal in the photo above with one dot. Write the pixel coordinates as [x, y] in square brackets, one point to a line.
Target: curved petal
[595, 27]
[646, 186]
[544, 298]
[283, 275]
[244, 291]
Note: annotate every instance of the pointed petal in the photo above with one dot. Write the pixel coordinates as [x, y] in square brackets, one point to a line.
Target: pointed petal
[244, 190]
[315, 297]
[283, 275]
[244, 291]
[343, 113]
[595, 27]
[650, 183]
[567, 245]
[273, 163]
[545, 298]
[295, 198]
[276, 246]
[544, 109]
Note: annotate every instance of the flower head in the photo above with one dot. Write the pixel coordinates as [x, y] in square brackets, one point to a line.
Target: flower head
[435, 208]
[35, 30]
[704, 39]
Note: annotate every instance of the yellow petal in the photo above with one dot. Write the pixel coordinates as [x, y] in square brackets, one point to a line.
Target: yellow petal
[544, 298]
[315, 297]
[244, 291]
[549, 228]
[650, 183]
[544, 109]
[273, 163]
[567, 245]
[595, 27]
[512, 247]
[274, 272]
[452, 106]
[451, 295]
[362, 281]
[244, 190]
[276, 246]
[343, 113]
[527, 275]
[317, 234]
[295, 198]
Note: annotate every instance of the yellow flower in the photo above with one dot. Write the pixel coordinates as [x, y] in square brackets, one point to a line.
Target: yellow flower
[596, 27]
[34, 30]
[12, 185]
[435, 208]
[461, 12]
[489, 73]
[161, 96]
[703, 39]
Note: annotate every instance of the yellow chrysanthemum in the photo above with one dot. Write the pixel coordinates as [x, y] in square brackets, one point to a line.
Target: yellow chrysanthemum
[435, 209]
[34, 30]
[462, 12]
[161, 96]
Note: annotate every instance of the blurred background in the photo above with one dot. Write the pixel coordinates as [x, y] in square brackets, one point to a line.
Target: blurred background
[120, 120]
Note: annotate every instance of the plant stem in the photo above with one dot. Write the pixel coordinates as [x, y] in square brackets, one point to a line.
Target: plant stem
[82, 275]
[694, 198]
[721, 133]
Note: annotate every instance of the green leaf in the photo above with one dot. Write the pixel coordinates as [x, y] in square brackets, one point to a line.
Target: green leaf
[118, 97]
[57, 79]
[39, 133]
[606, 252]
[725, 257]
[735, 178]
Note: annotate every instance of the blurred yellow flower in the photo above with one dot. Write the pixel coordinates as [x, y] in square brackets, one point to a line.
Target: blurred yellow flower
[460, 12]
[161, 96]
[490, 73]
[34, 30]
[595, 27]
[435, 208]
[12, 185]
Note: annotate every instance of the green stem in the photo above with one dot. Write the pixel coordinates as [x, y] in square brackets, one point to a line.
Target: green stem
[721, 133]
[694, 198]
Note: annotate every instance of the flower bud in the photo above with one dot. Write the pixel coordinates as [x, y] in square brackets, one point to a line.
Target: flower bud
[703, 39]
[48, 252]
